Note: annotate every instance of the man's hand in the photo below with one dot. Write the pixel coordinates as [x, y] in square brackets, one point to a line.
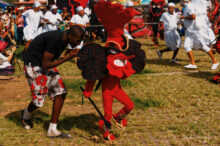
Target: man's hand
[71, 54]
[181, 17]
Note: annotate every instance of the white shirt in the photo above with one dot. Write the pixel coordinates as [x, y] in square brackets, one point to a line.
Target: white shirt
[3, 62]
[77, 19]
[33, 18]
[189, 24]
[170, 21]
[53, 19]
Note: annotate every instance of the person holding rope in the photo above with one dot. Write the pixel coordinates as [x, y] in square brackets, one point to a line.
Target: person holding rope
[172, 37]
[40, 62]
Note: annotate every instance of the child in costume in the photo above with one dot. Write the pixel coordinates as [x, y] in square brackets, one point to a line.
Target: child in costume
[119, 59]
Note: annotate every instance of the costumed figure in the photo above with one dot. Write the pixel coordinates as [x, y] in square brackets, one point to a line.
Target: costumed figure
[136, 27]
[119, 59]
[156, 10]
[216, 78]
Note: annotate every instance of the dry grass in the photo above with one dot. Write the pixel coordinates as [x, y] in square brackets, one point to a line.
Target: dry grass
[170, 109]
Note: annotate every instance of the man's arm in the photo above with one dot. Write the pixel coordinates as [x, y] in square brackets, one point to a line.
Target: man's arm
[48, 64]
[190, 17]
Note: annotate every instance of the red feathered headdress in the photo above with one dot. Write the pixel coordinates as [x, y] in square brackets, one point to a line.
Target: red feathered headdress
[114, 17]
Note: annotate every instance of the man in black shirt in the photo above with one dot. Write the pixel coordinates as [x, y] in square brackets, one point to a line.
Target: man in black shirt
[40, 60]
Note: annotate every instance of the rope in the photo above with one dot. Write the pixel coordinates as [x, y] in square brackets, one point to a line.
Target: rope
[103, 26]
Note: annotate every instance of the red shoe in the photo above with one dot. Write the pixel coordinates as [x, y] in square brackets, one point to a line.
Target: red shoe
[156, 45]
[119, 122]
[108, 138]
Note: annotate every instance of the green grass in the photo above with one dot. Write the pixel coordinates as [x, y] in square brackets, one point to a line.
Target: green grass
[170, 109]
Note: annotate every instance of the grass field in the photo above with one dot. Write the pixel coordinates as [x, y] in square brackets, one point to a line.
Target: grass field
[173, 106]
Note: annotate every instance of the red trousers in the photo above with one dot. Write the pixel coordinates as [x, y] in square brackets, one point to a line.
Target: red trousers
[111, 88]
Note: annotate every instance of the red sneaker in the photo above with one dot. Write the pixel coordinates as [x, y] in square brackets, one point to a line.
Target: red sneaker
[119, 122]
[107, 136]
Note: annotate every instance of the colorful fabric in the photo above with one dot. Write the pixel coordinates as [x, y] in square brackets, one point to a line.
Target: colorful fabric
[43, 82]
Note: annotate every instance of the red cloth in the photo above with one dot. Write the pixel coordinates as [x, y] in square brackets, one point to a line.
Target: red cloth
[111, 88]
[3, 46]
[114, 17]
[160, 2]
[82, 3]
[121, 72]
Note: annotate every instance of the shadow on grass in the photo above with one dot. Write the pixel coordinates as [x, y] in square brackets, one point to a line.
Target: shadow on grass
[39, 117]
[165, 62]
[203, 75]
[85, 122]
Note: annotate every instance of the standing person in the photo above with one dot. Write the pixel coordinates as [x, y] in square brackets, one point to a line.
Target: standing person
[172, 37]
[54, 19]
[65, 14]
[195, 37]
[19, 21]
[156, 11]
[40, 62]
[32, 17]
[80, 19]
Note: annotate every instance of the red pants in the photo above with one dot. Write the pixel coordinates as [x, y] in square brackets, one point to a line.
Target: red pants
[111, 89]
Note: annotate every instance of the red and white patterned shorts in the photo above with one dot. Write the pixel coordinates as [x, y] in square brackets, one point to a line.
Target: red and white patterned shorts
[43, 82]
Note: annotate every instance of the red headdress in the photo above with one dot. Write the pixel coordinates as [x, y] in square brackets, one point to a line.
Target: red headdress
[114, 17]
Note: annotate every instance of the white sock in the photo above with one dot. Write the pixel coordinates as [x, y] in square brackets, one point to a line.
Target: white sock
[27, 114]
[52, 131]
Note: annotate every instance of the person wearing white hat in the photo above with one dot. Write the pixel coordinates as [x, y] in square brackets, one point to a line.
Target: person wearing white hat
[172, 37]
[54, 19]
[195, 36]
[80, 19]
[33, 17]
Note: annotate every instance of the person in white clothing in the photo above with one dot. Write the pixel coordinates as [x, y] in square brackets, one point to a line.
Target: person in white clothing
[172, 37]
[53, 18]
[33, 17]
[5, 61]
[195, 23]
[80, 19]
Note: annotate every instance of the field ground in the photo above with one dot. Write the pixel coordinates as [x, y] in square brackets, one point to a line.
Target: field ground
[173, 106]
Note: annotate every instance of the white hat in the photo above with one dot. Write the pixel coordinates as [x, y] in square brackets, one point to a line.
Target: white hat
[53, 7]
[37, 4]
[129, 4]
[21, 8]
[80, 8]
[186, 0]
[171, 5]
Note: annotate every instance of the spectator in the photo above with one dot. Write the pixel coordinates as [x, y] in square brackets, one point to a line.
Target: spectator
[5, 62]
[33, 17]
[80, 19]
[54, 19]
[19, 21]
[65, 15]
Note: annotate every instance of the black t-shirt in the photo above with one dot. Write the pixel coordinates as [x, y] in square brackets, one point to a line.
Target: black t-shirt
[48, 41]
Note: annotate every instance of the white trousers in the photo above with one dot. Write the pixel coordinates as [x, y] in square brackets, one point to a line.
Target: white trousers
[172, 39]
[196, 40]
